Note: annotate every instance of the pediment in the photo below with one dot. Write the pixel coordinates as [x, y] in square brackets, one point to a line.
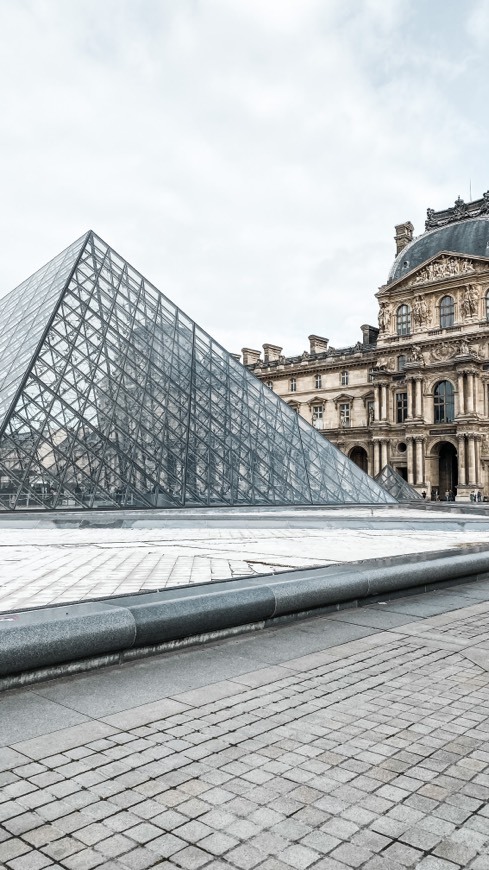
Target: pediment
[442, 267]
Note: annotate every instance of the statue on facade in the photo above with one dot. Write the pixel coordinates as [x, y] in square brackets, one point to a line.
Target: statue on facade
[420, 312]
[384, 316]
[469, 303]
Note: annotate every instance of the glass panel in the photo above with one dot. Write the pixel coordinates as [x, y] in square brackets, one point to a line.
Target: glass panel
[128, 403]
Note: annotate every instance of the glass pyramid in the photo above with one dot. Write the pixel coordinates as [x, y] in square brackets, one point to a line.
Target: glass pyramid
[111, 397]
[400, 489]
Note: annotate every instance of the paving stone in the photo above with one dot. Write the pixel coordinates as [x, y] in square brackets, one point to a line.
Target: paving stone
[191, 858]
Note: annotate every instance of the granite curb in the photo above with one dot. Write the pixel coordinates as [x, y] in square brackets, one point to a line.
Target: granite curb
[62, 638]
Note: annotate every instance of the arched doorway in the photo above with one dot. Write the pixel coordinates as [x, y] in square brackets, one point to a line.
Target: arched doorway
[359, 456]
[447, 469]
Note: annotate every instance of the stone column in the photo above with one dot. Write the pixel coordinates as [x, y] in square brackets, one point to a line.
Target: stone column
[461, 394]
[462, 472]
[384, 402]
[472, 477]
[419, 474]
[470, 392]
[377, 402]
[376, 456]
[384, 455]
[410, 409]
[479, 477]
[410, 460]
[419, 398]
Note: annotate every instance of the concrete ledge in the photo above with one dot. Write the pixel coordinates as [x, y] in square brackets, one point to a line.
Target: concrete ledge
[116, 629]
[35, 638]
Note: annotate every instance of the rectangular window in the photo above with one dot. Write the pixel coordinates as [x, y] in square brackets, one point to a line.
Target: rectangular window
[293, 385]
[318, 382]
[317, 416]
[371, 373]
[401, 407]
[345, 415]
[344, 379]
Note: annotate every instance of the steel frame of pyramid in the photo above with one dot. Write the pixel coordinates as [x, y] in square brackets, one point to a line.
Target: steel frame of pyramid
[393, 482]
[111, 397]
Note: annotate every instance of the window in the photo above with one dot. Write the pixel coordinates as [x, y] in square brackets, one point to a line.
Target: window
[401, 407]
[403, 318]
[371, 373]
[401, 363]
[443, 402]
[318, 381]
[293, 385]
[317, 416]
[344, 378]
[345, 415]
[269, 384]
[487, 305]
[447, 311]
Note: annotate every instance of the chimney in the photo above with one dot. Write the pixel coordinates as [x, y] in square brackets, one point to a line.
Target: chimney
[271, 352]
[370, 334]
[404, 235]
[317, 344]
[250, 357]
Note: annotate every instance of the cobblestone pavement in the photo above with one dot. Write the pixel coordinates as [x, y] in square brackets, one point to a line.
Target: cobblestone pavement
[369, 749]
[39, 567]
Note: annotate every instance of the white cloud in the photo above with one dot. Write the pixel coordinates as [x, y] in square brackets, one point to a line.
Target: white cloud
[251, 157]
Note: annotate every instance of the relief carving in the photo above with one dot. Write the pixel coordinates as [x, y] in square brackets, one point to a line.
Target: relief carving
[444, 267]
[448, 349]
[470, 301]
[445, 350]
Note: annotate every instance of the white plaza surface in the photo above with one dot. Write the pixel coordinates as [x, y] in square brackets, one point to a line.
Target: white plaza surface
[41, 566]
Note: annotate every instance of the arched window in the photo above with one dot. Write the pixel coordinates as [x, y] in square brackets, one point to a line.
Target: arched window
[443, 402]
[447, 311]
[403, 318]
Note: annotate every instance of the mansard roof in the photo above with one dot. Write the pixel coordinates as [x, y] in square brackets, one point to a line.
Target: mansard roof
[469, 236]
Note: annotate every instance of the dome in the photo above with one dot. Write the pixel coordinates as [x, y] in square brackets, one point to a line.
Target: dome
[463, 237]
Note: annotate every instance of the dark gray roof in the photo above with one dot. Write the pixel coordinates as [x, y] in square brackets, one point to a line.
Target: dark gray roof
[464, 237]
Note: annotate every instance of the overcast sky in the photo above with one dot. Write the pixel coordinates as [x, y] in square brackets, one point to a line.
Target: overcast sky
[250, 157]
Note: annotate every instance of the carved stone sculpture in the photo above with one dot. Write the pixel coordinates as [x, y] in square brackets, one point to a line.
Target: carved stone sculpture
[444, 267]
[384, 316]
[415, 355]
[443, 351]
[420, 312]
[470, 300]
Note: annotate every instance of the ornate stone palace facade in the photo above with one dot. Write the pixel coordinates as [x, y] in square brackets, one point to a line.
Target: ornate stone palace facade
[415, 392]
